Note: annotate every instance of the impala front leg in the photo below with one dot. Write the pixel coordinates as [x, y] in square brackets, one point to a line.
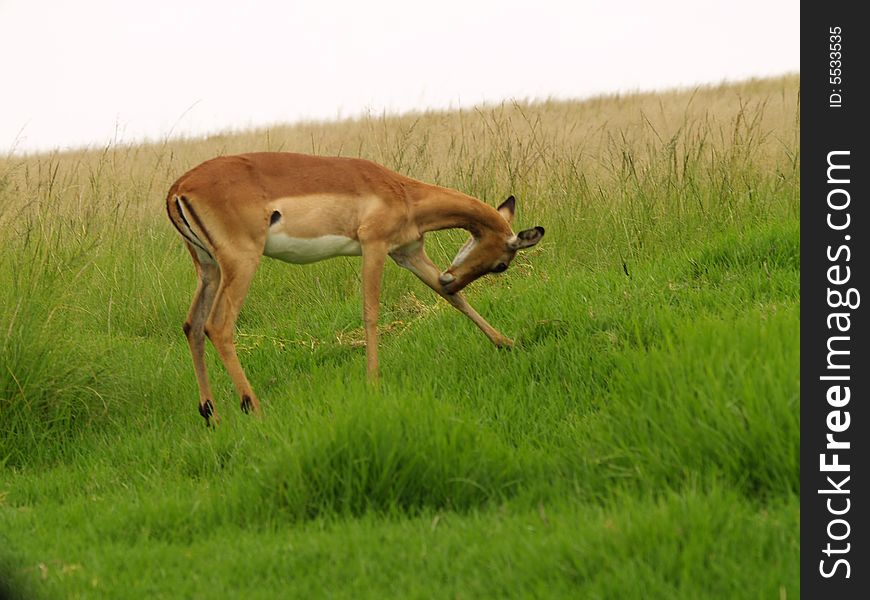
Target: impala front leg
[422, 266]
[374, 254]
[461, 304]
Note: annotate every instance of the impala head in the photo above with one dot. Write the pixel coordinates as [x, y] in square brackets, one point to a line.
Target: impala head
[490, 251]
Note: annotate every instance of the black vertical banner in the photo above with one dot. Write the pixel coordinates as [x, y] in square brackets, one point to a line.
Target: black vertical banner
[835, 372]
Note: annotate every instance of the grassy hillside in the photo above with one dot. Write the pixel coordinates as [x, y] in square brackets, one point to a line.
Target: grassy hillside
[641, 440]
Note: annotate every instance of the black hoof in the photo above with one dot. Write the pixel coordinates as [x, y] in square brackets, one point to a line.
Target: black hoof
[247, 405]
[206, 410]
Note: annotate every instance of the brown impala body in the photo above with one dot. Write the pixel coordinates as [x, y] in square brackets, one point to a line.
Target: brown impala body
[232, 210]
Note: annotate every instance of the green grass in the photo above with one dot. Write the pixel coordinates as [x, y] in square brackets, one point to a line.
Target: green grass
[640, 441]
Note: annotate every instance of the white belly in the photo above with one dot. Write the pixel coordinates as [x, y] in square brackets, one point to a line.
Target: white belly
[309, 250]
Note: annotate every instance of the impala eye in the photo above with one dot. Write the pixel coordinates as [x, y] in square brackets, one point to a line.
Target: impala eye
[500, 268]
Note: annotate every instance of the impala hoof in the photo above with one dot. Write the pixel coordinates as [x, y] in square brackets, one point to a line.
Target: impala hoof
[504, 344]
[206, 409]
[247, 404]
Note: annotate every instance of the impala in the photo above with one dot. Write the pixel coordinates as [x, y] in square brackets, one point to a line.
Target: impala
[232, 210]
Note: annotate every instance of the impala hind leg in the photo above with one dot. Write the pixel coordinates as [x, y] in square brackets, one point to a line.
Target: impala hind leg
[209, 276]
[236, 275]
[422, 266]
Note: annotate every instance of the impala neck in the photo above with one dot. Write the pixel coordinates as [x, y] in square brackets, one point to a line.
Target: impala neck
[441, 208]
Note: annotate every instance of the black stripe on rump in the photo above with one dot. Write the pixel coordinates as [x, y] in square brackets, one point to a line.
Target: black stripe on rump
[194, 240]
[197, 221]
[174, 224]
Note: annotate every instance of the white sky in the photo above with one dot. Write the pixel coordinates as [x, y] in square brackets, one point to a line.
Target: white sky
[85, 72]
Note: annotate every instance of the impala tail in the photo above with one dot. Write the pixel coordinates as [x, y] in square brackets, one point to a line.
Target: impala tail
[188, 223]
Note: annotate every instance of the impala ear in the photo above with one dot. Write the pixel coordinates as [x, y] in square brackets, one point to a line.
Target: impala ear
[506, 208]
[526, 238]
